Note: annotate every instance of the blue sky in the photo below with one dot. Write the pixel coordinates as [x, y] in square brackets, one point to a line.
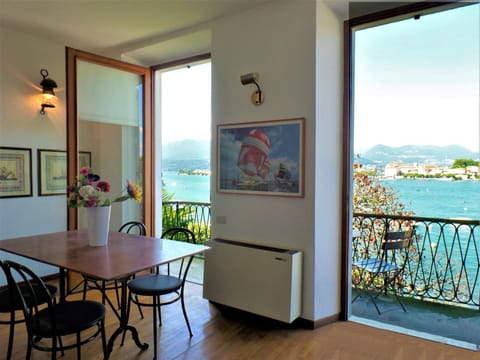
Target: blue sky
[417, 81]
[186, 104]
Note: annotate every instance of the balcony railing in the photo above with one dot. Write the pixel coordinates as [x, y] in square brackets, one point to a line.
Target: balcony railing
[443, 263]
[192, 215]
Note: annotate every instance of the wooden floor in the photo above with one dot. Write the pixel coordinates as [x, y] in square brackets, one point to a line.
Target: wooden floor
[220, 334]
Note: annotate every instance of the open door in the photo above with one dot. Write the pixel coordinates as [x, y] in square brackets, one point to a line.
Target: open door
[109, 128]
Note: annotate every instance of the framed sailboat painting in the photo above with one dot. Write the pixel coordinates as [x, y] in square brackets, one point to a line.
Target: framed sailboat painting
[261, 158]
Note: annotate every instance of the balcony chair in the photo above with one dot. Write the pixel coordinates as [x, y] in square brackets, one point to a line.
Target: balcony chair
[382, 273]
[54, 320]
[170, 285]
[11, 303]
[131, 227]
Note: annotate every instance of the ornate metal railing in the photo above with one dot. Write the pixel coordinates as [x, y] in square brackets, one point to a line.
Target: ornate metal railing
[192, 215]
[443, 263]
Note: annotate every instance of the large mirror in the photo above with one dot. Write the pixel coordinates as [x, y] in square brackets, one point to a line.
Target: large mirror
[108, 110]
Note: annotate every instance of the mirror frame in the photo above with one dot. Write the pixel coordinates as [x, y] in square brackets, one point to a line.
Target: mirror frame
[72, 55]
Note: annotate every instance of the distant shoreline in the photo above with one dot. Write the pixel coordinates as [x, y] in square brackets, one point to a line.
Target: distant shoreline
[426, 178]
[196, 172]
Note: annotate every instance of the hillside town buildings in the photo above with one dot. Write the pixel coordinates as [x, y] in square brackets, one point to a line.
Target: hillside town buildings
[395, 170]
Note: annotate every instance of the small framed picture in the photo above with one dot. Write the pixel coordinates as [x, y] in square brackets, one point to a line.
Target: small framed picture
[84, 159]
[15, 172]
[261, 158]
[52, 172]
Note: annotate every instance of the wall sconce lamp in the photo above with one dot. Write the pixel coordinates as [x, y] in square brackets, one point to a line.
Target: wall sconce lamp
[48, 94]
[252, 78]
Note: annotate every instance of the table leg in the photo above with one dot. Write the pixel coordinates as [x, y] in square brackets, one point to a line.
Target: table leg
[124, 322]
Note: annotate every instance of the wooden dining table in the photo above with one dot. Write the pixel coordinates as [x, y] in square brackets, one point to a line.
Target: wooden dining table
[124, 255]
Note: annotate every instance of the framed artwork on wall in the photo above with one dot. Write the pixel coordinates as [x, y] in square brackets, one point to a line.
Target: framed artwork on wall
[52, 172]
[84, 159]
[261, 158]
[15, 172]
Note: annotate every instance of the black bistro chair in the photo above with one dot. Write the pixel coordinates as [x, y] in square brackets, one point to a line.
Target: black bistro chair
[54, 320]
[382, 273]
[170, 285]
[131, 227]
[10, 303]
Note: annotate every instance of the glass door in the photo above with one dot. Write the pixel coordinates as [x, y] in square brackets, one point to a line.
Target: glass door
[109, 129]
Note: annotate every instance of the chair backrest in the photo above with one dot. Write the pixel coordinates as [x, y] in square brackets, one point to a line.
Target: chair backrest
[395, 248]
[397, 240]
[181, 266]
[180, 234]
[9, 292]
[32, 291]
[134, 227]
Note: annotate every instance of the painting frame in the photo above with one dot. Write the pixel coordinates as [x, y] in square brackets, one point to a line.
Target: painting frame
[15, 172]
[52, 172]
[262, 158]
[84, 159]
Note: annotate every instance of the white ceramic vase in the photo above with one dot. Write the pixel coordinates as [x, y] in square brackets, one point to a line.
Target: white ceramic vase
[98, 222]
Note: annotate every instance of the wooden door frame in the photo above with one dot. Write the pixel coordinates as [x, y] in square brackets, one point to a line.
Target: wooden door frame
[369, 20]
[148, 130]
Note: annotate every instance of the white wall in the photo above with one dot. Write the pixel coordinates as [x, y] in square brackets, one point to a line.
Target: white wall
[328, 161]
[278, 40]
[21, 125]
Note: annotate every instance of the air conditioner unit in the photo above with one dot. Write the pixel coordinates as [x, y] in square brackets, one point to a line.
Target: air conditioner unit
[258, 279]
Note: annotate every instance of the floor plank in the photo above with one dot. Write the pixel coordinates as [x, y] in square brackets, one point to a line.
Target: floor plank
[222, 334]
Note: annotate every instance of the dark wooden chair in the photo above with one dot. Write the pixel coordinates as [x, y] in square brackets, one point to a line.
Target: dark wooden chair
[10, 303]
[382, 273]
[169, 286]
[54, 320]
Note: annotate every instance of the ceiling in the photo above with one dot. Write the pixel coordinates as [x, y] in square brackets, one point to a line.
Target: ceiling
[148, 32]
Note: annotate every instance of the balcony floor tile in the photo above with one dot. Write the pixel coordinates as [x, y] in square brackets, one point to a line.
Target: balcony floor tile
[444, 323]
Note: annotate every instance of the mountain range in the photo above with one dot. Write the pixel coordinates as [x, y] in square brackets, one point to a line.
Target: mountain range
[195, 154]
[187, 149]
[186, 154]
[381, 155]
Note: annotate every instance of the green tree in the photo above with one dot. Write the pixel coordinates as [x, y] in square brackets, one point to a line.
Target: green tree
[370, 196]
[184, 214]
[463, 163]
[166, 196]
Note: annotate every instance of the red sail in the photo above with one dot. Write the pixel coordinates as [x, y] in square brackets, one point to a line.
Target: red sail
[253, 156]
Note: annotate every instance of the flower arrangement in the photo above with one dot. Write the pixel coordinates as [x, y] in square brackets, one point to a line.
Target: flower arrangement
[89, 191]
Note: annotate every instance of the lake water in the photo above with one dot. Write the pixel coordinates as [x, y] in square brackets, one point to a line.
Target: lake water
[426, 197]
[439, 198]
[193, 188]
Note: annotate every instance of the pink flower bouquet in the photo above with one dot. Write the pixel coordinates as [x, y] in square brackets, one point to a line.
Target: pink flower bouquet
[89, 191]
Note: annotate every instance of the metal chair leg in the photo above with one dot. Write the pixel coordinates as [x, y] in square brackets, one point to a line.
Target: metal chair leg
[104, 340]
[139, 307]
[10, 336]
[78, 346]
[155, 304]
[85, 288]
[159, 309]
[185, 315]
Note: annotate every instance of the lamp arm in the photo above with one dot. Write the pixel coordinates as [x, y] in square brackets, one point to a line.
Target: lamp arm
[258, 87]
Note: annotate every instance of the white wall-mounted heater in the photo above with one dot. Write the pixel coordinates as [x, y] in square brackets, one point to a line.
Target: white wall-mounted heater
[262, 280]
